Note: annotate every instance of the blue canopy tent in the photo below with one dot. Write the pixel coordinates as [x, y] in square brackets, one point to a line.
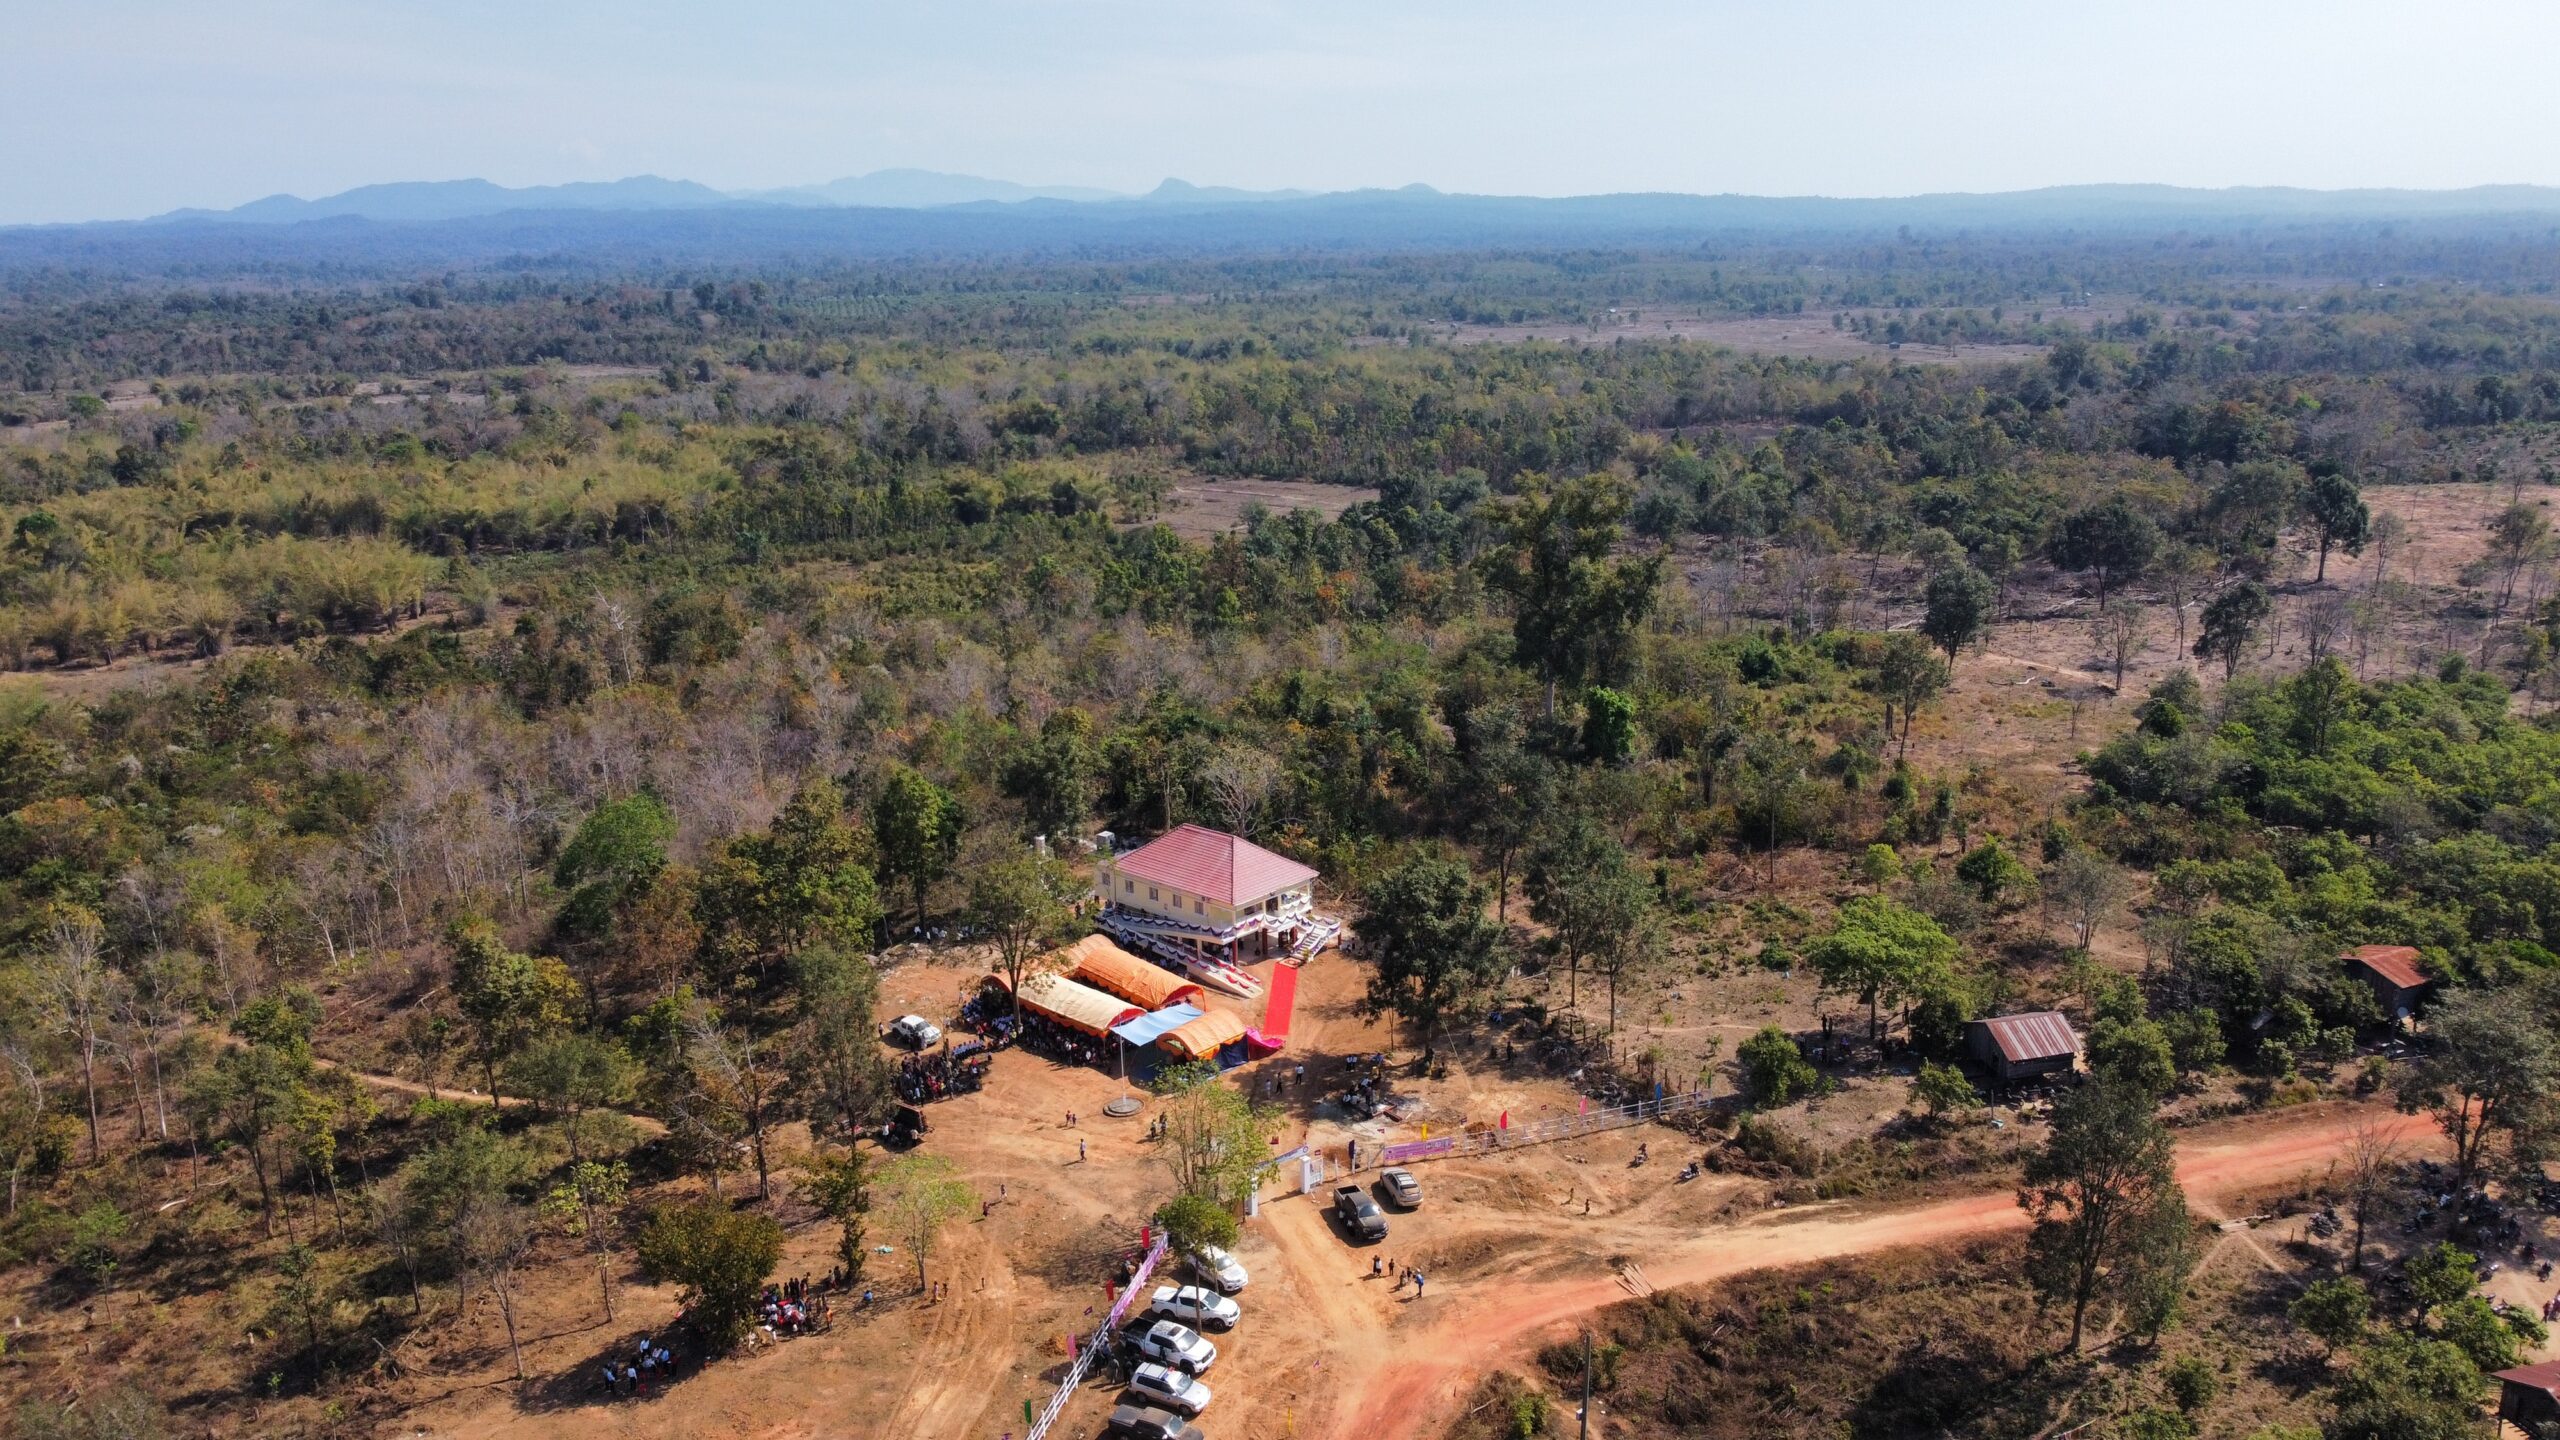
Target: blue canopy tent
[1147, 1029]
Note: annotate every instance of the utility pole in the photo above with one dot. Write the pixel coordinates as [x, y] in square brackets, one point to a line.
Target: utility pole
[1586, 1385]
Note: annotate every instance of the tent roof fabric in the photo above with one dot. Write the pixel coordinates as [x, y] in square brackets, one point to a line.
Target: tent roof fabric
[1148, 1029]
[1206, 1036]
[1103, 965]
[2395, 963]
[1078, 1007]
[1227, 869]
[2037, 1035]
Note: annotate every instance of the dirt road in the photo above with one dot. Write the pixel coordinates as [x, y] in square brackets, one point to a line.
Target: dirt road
[1407, 1382]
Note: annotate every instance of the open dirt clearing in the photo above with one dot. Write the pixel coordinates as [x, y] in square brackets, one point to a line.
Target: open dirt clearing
[1203, 509]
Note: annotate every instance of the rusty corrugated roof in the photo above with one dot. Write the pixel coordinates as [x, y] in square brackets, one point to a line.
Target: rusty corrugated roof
[2544, 1377]
[2036, 1035]
[2395, 963]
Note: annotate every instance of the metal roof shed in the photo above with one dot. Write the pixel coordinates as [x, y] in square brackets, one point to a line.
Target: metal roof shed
[2022, 1047]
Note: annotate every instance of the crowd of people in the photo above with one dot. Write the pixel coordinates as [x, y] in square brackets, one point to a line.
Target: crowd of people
[651, 1364]
[793, 1308]
[1044, 1036]
[948, 1071]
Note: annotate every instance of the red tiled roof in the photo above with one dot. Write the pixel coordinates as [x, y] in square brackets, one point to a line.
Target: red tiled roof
[1197, 860]
[2038, 1035]
[2395, 963]
[2544, 1377]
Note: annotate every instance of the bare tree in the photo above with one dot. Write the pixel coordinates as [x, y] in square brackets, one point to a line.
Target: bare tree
[2122, 632]
[2365, 1169]
[2088, 887]
[733, 1070]
[491, 1234]
[1240, 781]
[2323, 620]
[77, 992]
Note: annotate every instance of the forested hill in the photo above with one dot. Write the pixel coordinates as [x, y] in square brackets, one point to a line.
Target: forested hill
[1415, 218]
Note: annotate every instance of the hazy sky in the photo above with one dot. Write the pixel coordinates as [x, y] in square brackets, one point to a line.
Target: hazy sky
[120, 108]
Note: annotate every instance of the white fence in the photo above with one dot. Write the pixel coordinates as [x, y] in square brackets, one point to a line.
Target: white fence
[1101, 1337]
[1314, 1168]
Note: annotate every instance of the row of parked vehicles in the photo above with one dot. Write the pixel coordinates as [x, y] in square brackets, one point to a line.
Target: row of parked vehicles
[1360, 1216]
[1165, 1386]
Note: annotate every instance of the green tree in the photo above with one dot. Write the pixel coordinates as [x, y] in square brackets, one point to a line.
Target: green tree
[1576, 601]
[1774, 1070]
[2231, 619]
[578, 1204]
[2111, 537]
[622, 845]
[1433, 952]
[2334, 1312]
[2490, 1065]
[2334, 506]
[1608, 725]
[916, 1195]
[764, 898]
[2192, 1382]
[1992, 871]
[2404, 1388]
[1879, 866]
[1878, 950]
[2094, 1191]
[1908, 676]
[1583, 887]
[1192, 1223]
[571, 1074]
[719, 1259]
[252, 1094]
[1505, 790]
[1942, 1089]
[837, 994]
[507, 998]
[1213, 1134]
[1957, 608]
[1023, 905]
[917, 824]
[2492, 1340]
[838, 1182]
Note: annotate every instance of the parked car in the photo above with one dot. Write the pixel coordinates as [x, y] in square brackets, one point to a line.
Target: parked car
[1145, 1422]
[1170, 1388]
[915, 1032]
[1194, 1305]
[1401, 1187]
[1219, 1268]
[1359, 1214]
[1170, 1342]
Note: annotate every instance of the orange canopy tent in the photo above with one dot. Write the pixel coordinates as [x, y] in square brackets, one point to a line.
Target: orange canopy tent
[1203, 1038]
[1105, 966]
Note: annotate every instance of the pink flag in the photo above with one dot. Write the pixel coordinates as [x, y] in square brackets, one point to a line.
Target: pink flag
[1586, 1106]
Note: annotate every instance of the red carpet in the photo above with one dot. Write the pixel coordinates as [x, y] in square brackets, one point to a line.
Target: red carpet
[1280, 999]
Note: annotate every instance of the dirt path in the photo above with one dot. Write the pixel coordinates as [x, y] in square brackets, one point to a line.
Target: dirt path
[1477, 1327]
[969, 1339]
[647, 1125]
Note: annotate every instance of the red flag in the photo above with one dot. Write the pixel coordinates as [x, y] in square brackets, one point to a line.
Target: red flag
[1506, 1119]
[1586, 1105]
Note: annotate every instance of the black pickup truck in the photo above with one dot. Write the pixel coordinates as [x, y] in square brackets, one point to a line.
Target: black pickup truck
[1359, 1214]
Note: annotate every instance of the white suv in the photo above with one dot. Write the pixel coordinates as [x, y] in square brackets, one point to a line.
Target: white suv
[1219, 1268]
[1170, 1388]
[1178, 1346]
[1194, 1305]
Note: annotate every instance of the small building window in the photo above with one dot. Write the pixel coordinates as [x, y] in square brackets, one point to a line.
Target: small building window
[1151, 893]
[1197, 908]
[1129, 887]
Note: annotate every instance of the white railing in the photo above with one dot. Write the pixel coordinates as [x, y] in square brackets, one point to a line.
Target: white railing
[1086, 1352]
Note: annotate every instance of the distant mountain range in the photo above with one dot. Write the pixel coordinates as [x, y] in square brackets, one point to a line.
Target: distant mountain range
[649, 220]
[418, 200]
[445, 200]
